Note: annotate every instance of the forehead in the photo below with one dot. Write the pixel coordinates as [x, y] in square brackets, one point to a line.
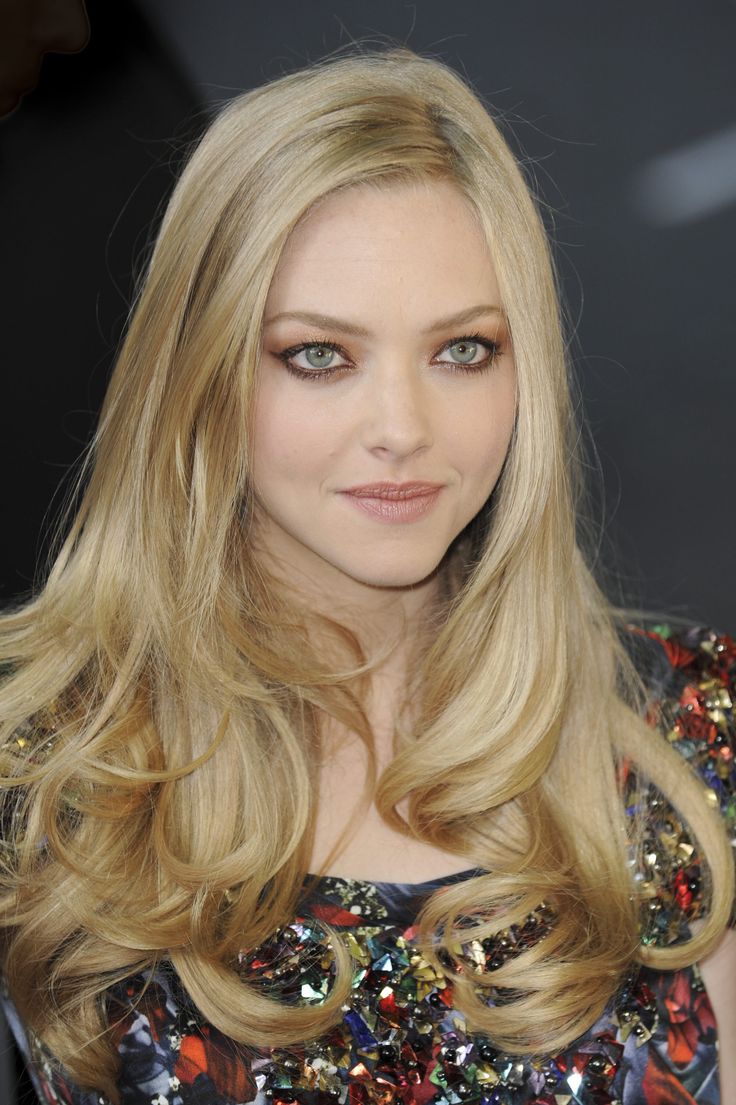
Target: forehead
[379, 242]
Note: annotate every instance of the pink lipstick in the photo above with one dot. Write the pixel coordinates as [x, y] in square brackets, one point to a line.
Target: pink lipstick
[395, 502]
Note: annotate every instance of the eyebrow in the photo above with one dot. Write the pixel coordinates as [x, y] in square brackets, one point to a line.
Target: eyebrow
[346, 327]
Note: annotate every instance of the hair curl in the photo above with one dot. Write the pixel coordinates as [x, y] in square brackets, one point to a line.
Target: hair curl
[159, 719]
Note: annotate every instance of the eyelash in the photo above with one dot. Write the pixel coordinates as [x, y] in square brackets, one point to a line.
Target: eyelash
[493, 347]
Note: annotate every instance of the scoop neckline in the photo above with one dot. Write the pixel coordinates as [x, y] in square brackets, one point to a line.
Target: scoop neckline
[441, 880]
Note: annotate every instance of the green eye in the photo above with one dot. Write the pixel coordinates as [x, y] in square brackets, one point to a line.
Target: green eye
[464, 351]
[319, 356]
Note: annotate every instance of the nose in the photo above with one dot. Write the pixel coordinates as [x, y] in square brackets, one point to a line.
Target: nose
[396, 410]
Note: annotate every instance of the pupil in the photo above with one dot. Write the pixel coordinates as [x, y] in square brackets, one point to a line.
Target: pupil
[465, 351]
[319, 355]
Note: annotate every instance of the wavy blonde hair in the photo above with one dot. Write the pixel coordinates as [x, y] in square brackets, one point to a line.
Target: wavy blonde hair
[160, 715]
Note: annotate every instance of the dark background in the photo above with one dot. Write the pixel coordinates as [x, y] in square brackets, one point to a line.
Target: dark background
[625, 117]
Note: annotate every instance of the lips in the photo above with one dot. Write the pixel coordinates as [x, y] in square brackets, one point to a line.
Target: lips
[395, 491]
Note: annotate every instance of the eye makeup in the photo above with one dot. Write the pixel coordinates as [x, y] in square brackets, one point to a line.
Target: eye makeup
[492, 348]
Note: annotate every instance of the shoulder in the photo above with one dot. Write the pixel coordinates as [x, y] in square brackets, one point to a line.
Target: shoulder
[690, 675]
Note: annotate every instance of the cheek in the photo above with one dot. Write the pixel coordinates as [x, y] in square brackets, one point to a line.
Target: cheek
[290, 437]
[482, 437]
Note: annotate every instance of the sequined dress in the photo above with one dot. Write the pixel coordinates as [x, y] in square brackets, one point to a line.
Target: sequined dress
[401, 1040]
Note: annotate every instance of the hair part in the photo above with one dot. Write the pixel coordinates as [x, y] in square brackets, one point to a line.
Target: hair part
[161, 723]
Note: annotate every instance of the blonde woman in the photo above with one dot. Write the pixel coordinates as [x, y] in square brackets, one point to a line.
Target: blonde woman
[329, 773]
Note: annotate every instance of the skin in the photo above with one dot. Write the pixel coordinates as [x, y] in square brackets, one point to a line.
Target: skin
[718, 971]
[394, 262]
[391, 262]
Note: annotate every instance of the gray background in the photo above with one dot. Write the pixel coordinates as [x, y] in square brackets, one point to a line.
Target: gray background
[623, 113]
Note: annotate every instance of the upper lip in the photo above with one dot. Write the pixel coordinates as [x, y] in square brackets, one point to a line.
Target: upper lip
[387, 490]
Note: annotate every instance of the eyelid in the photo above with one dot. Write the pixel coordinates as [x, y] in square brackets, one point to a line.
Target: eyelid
[286, 357]
[299, 347]
[492, 346]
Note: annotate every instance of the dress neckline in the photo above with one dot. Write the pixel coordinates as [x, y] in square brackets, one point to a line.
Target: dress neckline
[440, 880]
[342, 901]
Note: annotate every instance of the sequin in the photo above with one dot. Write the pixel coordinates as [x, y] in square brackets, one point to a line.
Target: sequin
[400, 1038]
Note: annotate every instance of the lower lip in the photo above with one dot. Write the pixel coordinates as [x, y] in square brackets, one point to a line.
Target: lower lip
[395, 510]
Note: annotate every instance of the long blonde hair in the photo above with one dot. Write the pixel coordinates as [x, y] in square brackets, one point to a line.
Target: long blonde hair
[159, 717]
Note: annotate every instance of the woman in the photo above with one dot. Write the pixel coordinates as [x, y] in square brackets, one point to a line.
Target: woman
[322, 612]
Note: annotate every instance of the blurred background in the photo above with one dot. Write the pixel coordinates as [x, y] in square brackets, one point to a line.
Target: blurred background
[624, 116]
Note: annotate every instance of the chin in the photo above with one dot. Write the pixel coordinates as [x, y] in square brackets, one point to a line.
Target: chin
[394, 575]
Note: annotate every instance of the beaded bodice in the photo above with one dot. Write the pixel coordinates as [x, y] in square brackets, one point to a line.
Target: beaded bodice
[401, 1039]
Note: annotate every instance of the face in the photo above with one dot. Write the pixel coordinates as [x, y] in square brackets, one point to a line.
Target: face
[386, 359]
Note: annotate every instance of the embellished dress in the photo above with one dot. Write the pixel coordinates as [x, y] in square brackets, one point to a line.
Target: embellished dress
[401, 1040]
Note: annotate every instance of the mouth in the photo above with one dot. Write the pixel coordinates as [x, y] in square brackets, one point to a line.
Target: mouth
[395, 504]
[394, 491]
